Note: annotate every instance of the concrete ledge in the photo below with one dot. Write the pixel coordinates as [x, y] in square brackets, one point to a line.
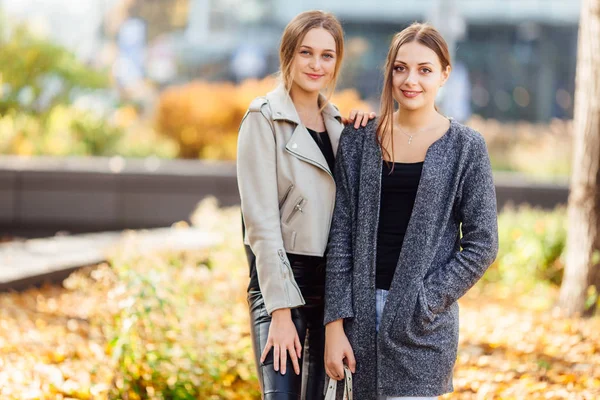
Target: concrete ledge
[34, 261]
[42, 195]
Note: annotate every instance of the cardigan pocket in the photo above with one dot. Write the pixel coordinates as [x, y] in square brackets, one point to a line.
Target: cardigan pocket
[421, 324]
[426, 315]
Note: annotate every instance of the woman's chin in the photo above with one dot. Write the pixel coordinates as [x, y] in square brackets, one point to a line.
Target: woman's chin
[311, 87]
[410, 106]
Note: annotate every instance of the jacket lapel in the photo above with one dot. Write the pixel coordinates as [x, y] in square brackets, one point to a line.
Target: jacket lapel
[301, 144]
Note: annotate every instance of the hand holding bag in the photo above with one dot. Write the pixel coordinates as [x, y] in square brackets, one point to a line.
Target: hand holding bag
[332, 387]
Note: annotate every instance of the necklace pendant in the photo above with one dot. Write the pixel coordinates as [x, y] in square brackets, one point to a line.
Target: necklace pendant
[410, 139]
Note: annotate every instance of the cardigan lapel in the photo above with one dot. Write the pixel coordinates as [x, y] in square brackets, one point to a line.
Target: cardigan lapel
[370, 199]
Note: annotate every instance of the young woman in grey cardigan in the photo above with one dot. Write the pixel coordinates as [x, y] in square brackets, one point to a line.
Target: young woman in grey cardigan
[407, 185]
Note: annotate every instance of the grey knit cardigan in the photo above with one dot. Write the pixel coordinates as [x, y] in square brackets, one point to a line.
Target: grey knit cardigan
[415, 351]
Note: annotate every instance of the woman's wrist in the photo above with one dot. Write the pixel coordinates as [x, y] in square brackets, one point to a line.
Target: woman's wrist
[333, 326]
[282, 313]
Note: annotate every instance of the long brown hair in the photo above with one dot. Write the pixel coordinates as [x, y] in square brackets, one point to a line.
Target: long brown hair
[424, 34]
[293, 35]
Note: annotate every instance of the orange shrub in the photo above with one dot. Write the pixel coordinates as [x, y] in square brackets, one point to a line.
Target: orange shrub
[204, 117]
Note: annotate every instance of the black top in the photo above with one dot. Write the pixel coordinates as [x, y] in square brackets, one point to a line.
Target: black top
[322, 139]
[298, 262]
[398, 192]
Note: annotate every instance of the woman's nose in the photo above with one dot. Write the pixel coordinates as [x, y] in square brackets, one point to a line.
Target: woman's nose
[411, 78]
[314, 63]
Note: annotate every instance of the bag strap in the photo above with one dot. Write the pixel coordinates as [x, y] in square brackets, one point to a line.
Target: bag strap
[332, 387]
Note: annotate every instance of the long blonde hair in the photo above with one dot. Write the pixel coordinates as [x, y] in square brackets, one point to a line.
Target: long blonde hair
[424, 34]
[295, 32]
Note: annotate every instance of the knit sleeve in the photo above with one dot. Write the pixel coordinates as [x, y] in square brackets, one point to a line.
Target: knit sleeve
[479, 242]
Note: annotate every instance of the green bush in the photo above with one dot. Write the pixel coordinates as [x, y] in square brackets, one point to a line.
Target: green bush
[181, 330]
[28, 63]
[532, 245]
[39, 80]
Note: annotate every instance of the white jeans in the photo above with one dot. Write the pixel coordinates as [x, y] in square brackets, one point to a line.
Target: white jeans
[381, 296]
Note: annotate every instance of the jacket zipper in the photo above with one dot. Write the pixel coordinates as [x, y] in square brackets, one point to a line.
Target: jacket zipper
[285, 196]
[297, 207]
[286, 264]
[316, 164]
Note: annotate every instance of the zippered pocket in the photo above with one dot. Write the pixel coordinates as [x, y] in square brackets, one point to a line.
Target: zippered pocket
[297, 209]
[285, 196]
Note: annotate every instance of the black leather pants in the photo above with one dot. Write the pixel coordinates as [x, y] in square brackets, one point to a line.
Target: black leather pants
[309, 273]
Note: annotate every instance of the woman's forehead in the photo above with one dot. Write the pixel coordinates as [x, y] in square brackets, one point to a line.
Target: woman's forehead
[319, 39]
[416, 53]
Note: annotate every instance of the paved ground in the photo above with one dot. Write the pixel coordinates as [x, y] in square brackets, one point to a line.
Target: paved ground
[30, 262]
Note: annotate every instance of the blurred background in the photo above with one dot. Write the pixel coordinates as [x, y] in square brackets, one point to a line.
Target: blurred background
[122, 115]
[136, 83]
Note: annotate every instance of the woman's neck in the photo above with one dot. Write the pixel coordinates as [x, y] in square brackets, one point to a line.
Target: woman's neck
[306, 103]
[415, 120]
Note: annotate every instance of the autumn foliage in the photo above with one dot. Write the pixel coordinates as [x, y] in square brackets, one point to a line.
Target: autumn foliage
[175, 325]
[204, 117]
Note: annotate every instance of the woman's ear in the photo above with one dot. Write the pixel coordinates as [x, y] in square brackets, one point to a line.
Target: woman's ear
[445, 75]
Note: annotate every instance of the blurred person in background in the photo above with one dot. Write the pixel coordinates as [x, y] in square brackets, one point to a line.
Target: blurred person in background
[286, 155]
[408, 184]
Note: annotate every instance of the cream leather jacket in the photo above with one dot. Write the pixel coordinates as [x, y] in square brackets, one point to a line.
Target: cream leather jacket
[287, 191]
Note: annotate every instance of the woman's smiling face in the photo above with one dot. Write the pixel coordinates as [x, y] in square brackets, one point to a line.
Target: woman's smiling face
[314, 63]
[417, 76]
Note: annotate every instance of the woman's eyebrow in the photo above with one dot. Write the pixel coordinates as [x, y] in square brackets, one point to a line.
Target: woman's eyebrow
[308, 47]
[423, 63]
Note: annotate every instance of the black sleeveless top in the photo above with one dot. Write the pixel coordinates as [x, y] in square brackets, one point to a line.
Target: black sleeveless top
[398, 192]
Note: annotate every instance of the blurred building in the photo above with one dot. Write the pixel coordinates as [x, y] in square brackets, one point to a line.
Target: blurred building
[515, 58]
[520, 55]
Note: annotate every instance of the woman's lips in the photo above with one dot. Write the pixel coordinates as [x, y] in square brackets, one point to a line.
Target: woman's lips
[410, 94]
[314, 76]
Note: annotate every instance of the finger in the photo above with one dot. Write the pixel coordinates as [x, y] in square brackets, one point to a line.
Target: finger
[372, 115]
[276, 357]
[352, 115]
[283, 355]
[298, 346]
[331, 373]
[358, 120]
[266, 351]
[351, 361]
[294, 359]
[339, 370]
[365, 119]
[328, 372]
[345, 121]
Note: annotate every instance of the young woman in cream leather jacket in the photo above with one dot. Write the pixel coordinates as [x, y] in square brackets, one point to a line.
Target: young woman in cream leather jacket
[286, 152]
